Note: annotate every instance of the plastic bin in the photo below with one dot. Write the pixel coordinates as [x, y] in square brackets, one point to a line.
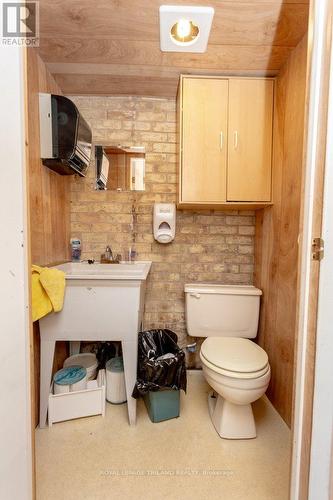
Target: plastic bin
[161, 373]
[162, 404]
[77, 404]
[115, 381]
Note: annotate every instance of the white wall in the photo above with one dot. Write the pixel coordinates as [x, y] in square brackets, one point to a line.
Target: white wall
[15, 411]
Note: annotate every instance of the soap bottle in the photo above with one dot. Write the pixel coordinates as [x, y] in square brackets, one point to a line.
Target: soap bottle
[131, 254]
[76, 249]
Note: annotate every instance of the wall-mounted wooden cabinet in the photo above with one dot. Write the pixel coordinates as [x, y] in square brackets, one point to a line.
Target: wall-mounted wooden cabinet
[225, 141]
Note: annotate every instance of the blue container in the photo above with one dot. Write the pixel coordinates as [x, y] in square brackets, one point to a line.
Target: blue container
[71, 378]
[70, 375]
[163, 404]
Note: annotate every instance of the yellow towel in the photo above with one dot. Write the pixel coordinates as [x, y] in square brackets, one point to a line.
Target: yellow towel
[48, 291]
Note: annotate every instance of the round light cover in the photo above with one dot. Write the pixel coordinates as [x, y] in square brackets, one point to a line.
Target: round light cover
[184, 32]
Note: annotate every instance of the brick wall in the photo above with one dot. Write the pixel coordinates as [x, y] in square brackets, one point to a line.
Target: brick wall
[210, 246]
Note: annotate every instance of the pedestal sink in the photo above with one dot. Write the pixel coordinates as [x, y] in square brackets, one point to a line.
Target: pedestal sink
[102, 302]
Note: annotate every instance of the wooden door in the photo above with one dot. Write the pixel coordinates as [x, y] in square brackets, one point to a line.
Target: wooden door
[318, 154]
[250, 140]
[204, 140]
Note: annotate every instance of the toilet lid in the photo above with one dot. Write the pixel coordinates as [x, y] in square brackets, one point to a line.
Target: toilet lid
[234, 354]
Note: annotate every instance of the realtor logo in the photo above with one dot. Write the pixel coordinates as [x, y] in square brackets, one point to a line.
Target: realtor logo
[20, 23]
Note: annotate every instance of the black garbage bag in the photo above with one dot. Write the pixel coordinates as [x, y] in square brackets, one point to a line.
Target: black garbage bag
[105, 351]
[161, 363]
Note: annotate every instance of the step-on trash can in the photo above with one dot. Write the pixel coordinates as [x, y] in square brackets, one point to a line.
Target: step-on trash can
[161, 374]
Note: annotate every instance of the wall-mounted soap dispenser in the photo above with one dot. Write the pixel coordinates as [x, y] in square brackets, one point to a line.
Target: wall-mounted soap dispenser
[164, 222]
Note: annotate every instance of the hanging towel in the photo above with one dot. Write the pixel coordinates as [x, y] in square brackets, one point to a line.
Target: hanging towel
[48, 290]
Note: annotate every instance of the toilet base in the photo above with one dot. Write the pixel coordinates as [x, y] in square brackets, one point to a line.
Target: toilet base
[231, 421]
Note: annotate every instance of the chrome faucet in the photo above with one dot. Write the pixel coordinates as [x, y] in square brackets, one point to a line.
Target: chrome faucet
[108, 258]
[108, 253]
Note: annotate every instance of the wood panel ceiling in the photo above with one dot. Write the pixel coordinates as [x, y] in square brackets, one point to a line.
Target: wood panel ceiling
[111, 47]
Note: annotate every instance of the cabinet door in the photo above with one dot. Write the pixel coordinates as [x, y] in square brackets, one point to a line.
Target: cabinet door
[204, 140]
[250, 140]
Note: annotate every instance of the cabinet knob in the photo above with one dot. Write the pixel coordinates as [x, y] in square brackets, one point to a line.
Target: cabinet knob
[221, 140]
[235, 139]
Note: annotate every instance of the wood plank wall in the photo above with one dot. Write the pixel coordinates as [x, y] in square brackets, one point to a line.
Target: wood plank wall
[48, 191]
[277, 230]
[49, 201]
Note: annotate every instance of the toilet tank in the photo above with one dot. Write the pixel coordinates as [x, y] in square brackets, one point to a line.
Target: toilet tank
[222, 310]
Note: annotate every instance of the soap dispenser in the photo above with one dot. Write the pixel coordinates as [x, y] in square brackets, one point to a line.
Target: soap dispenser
[75, 249]
[164, 222]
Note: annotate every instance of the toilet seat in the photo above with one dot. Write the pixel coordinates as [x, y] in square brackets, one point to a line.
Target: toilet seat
[238, 375]
[234, 357]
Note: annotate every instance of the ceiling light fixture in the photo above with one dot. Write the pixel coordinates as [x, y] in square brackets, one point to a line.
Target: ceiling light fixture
[185, 29]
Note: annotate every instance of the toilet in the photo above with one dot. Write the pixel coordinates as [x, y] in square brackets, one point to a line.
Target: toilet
[235, 367]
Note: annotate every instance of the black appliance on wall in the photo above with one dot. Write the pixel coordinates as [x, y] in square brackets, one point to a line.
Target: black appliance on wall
[102, 168]
[65, 136]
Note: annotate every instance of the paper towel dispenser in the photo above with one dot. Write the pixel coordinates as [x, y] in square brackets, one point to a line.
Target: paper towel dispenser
[102, 168]
[65, 137]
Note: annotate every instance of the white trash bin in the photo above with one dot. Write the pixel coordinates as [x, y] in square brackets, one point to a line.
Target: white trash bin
[115, 381]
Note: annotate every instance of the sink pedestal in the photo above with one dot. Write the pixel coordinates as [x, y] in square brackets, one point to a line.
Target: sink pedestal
[95, 309]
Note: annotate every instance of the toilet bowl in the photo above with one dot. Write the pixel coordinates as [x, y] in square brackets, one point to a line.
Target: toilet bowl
[235, 367]
[238, 371]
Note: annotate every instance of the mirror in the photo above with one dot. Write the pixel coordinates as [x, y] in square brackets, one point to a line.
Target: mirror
[120, 168]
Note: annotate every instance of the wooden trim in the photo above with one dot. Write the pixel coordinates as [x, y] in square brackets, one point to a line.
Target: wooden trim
[133, 70]
[227, 77]
[223, 206]
[179, 137]
[331, 472]
[131, 79]
[31, 330]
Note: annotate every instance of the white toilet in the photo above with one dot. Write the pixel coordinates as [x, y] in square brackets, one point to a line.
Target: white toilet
[236, 368]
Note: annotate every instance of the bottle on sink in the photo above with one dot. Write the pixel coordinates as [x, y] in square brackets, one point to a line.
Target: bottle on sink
[75, 249]
[132, 254]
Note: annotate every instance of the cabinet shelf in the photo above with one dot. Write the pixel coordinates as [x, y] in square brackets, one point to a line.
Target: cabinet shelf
[229, 205]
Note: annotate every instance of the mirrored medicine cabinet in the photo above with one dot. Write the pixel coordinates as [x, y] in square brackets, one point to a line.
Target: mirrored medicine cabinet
[120, 168]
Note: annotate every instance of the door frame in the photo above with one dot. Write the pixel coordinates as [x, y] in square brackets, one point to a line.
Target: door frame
[322, 417]
[16, 436]
[305, 439]
[307, 394]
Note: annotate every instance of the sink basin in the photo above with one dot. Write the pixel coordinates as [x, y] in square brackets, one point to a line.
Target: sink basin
[124, 271]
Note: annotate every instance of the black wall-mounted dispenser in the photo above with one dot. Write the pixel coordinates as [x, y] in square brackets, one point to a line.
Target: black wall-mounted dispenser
[65, 137]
